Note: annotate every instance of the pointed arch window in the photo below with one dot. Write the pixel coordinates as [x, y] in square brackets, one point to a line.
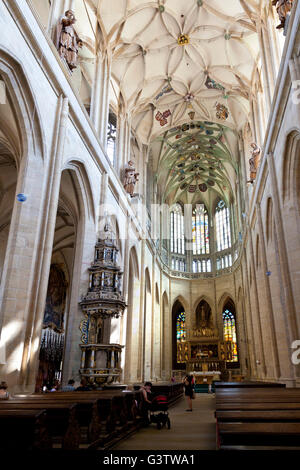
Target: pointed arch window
[200, 230]
[181, 338]
[111, 137]
[223, 232]
[229, 326]
[177, 230]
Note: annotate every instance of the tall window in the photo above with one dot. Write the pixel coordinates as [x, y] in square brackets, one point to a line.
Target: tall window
[177, 230]
[181, 338]
[223, 232]
[230, 332]
[200, 230]
[111, 137]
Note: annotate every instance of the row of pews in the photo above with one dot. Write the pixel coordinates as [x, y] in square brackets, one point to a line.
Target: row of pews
[257, 415]
[72, 420]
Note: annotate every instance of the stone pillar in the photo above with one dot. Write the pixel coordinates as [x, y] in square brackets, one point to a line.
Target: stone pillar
[34, 325]
[268, 292]
[257, 311]
[29, 252]
[289, 308]
[123, 141]
[265, 71]
[100, 97]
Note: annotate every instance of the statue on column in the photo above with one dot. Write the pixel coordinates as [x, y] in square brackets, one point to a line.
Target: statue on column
[67, 40]
[254, 161]
[283, 7]
[130, 178]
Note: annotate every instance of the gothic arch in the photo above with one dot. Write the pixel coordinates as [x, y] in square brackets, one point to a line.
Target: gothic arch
[291, 168]
[147, 281]
[203, 297]
[183, 302]
[223, 299]
[134, 257]
[27, 116]
[84, 185]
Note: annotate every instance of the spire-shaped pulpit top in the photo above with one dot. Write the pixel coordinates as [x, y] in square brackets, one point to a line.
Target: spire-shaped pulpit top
[104, 297]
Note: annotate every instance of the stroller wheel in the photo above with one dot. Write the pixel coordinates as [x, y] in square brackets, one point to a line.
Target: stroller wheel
[168, 423]
[158, 425]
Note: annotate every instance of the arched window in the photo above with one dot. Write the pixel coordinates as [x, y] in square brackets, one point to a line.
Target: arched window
[200, 230]
[223, 232]
[230, 332]
[177, 230]
[181, 337]
[111, 137]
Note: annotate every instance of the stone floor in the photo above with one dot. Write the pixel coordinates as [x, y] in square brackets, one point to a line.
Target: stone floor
[189, 431]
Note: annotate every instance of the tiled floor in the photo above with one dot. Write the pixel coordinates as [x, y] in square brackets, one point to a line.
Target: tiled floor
[189, 431]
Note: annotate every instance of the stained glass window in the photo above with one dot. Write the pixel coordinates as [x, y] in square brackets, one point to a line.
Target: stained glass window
[181, 338]
[111, 137]
[177, 230]
[200, 230]
[230, 332]
[223, 231]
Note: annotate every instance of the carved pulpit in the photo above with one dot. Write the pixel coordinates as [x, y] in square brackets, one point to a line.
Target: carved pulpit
[100, 360]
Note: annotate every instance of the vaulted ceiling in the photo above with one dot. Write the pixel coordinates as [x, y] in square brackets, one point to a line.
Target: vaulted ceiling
[171, 58]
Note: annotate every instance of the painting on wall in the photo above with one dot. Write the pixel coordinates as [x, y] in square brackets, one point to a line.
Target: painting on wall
[55, 300]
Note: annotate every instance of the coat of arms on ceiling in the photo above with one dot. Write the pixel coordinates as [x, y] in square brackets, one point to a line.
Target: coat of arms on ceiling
[162, 117]
[213, 85]
[183, 39]
[166, 89]
[222, 111]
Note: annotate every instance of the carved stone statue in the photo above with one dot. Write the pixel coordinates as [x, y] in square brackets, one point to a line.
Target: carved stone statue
[130, 178]
[254, 161]
[67, 40]
[283, 7]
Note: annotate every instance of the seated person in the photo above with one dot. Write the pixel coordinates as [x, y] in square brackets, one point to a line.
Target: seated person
[84, 387]
[4, 395]
[70, 387]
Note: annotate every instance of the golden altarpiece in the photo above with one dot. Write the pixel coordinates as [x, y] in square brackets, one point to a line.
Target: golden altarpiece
[203, 353]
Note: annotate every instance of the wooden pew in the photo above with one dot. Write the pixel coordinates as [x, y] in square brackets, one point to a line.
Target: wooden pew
[248, 385]
[23, 430]
[257, 416]
[60, 419]
[106, 414]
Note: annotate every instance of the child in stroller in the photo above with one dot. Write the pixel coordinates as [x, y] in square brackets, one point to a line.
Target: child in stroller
[159, 412]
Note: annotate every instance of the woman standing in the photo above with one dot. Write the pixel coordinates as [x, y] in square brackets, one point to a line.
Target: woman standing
[189, 390]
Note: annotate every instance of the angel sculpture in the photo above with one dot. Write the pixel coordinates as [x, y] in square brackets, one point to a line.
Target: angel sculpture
[67, 40]
[283, 7]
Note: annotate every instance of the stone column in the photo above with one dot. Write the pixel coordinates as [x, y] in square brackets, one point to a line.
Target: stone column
[265, 71]
[29, 249]
[256, 308]
[289, 309]
[100, 97]
[123, 141]
[268, 292]
[34, 324]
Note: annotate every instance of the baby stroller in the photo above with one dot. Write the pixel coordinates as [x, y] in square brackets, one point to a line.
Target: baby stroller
[159, 412]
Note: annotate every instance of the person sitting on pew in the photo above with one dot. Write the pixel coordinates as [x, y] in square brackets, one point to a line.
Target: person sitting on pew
[56, 386]
[84, 387]
[70, 387]
[4, 395]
